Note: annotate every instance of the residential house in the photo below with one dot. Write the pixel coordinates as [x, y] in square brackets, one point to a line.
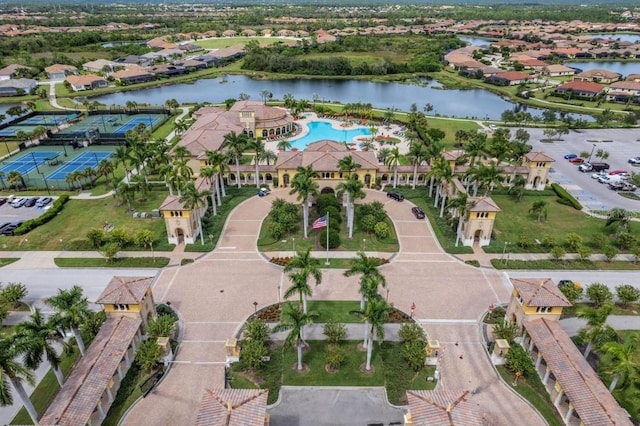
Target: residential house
[534, 298]
[191, 64]
[583, 89]
[133, 75]
[100, 65]
[86, 82]
[167, 70]
[444, 407]
[13, 71]
[598, 75]
[17, 86]
[622, 91]
[60, 71]
[558, 70]
[508, 78]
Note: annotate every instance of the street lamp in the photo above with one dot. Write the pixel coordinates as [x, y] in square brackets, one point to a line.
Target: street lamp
[255, 307]
[594, 147]
[504, 250]
[35, 162]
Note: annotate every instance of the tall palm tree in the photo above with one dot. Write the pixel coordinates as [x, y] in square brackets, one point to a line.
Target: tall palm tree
[210, 176]
[307, 266]
[105, 168]
[2, 176]
[347, 165]
[376, 314]
[181, 152]
[284, 145]
[14, 372]
[71, 309]
[539, 208]
[257, 147]
[460, 205]
[294, 319]
[305, 187]
[490, 175]
[620, 359]
[15, 179]
[434, 149]
[366, 267]
[196, 201]
[476, 147]
[37, 336]
[121, 154]
[596, 328]
[353, 188]
[617, 215]
[236, 145]
[299, 285]
[443, 174]
[418, 154]
[392, 161]
[218, 161]
[268, 156]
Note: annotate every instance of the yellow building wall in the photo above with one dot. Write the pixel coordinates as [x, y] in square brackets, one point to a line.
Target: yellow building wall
[132, 308]
[167, 214]
[531, 310]
[490, 215]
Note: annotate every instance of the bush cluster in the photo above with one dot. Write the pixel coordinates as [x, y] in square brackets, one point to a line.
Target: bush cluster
[284, 218]
[565, 197]
[328, 203]
[43, 218]
[119, 237]
[413, 343]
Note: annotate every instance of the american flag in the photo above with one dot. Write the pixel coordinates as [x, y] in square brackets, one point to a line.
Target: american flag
[320, 222]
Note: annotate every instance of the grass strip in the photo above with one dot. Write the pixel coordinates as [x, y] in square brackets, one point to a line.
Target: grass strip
[568, 264]
[4, 261]
[120, 262]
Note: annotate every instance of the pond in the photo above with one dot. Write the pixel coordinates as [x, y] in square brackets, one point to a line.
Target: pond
[477, 103]
[476, 41]
[633, 38]
[624, 68]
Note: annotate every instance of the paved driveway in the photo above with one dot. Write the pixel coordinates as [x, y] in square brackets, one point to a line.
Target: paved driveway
[215, 295]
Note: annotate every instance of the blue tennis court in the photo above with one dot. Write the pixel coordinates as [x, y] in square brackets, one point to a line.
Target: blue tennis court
[149, 122]
[28, 162]
[81, 162]
[47, 120]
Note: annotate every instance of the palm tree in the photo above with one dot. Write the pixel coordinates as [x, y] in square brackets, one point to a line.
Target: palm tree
[218, 161]
[304, 266]
[596, 328]
[518, 187]
[121, 154]
[71, 308]
[392, 161]
[418, 153]
[37, 336]
[367, 267]
[434, 149]
[181, 152]
[353, 188]
[346, 165]
[442, 172]
[210, 176]
[268, 156]
[2, 176]
[489, 176]
[284, 145]
[617, 215]
[460, 205]
[15, 179]
[539, 208]
[476, 147]
[106, 169]
[141, 185]
[620, 360]
[376, 314]
[294, 319]
[14, 372]
[196, 201]
[305, 187]
[126, 193]
[299, 285]
[236, 144]
[257, 147]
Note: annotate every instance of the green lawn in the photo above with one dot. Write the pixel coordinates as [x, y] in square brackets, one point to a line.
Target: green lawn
[533, 391]
[553, 264]
[388, 369]
[119, 262]
[4, 261]
[336, 310]
[68, 230]
[8, 147]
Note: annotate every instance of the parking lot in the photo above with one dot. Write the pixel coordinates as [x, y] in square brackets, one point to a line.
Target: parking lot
[9, 214]
[621, 144]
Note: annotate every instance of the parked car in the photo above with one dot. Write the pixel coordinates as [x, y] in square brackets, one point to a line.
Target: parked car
[18, 202]
[8, 230]
[417, 212]
[570, 156]
[618, 172]
[634, 160]
[576, 160]
[563, 283]
[622, 186]
[43, 201]
[3, 201]
[395, 195]
[31, 202]
[593, 167]
[599, 175]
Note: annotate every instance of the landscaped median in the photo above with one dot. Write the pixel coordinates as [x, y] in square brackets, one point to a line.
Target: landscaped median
[119, 262]
[4, 261]
[567, 264]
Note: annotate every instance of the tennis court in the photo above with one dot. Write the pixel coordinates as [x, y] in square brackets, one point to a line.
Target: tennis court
[149, 122]
[47, 119]
[28, 162]
[12, 131]
[81, 162]
[114, 124]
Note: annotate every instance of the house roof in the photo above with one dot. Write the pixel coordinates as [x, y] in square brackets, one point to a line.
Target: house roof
[12, 68]
[233, 407]
[511, 75]
[539, 292]
[582, 86]
[125, 290]
[77, 399]
[625, 85]
[591, 400]
[76, 80]
[598, 73]
[172, 202]
[559, 68]
[444, 407]
[133, 71]
[483, 204]
[60, 68]
[538, 156]
[324, 156]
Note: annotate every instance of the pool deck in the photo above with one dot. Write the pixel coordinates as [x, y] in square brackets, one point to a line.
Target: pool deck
[392, 130]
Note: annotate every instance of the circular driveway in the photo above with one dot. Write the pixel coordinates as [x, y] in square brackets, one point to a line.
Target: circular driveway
[215, 295]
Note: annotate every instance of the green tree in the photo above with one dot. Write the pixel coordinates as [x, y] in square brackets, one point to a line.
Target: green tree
[599, 294]
[370, 275]
[539, 208]
[300, 286]
[335, 331]
[236, 145]
[573, 240]
[195, 200]
[353, 189]
[71, 310]
[294, 320]
[255, 329]
[506, 330]
[37, 338]
[110, 251]
[148, 355]
[253, 353]
[305, 187]
[13, 293]
[557, 252]
[393, 161]
[162, 326]
[621, 361]
[143, 238]
[572, 291]
[257, 147]
[376, 314]
[519, 362]
[627, 294]
[15, 373]
[596, 331]
[619, 216]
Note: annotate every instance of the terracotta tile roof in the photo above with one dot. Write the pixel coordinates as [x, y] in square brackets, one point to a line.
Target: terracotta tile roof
[559, 68]
[60, 68]
[511, 75]
[539, 292]
[233, 407]
[444, 407]
[125, 290]
[599, 73]
[453, 155]
[133, 71]
[326, 160]
[538, 156]
[83, 80]
[582, 86]
[625, 85]
[590, 398]
[172, 202]
[78, 398]
[483, 204]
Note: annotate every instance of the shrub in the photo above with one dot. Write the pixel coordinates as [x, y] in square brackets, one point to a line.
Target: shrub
[411, 332]
[375, 208]
[473, 262]
[163, 310]
[324, 201]
[121, 237]
[335, 331]
[334, 215]
[414, 353]
[97, 237]
[334, 238]
[565, 197]
[624, 240]
[558, 252]
[548, 241]
[143, 238]
[276, 230]
[381, 230]
[518, 361]
[599, 294]
[13, 293]
[599, 240]
[584, 252]
[335, 356]
[572, 291]
[506, 330]
[256, 329]
[56, 207]
[525, 241]
[368, 223]
[162, 326]
[253, 352]
[627, 294]
[573, 240]
[609, 252]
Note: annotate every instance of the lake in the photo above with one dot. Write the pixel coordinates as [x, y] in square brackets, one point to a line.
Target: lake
[633, 38]
[477, 103]
[476, 41]
[624, 68]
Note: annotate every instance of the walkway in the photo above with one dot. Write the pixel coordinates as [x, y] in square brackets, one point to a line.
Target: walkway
[215, 295]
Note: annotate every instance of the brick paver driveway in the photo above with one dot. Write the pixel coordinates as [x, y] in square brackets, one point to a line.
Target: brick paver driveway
[216, 294]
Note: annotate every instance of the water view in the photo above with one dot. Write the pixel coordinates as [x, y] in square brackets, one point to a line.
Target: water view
[624, 68]
[478, 104]
[320, 130]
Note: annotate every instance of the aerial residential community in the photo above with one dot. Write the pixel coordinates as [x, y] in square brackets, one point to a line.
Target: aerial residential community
[339, 214]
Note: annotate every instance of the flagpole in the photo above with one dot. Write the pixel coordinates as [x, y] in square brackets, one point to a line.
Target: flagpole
[327, 261]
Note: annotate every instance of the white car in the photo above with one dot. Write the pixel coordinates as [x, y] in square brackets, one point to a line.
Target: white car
[598, 175]
[634, 160]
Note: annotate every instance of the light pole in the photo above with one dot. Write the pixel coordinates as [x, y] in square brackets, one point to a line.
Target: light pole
[294, 244]
[594, 147]
[364, 244]
[504, 250]
[35, 162]
[255, 307]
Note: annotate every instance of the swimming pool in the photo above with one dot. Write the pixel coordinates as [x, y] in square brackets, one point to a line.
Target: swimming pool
[320, 130]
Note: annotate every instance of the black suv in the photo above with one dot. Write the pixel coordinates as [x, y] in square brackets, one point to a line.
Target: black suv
[396, 196]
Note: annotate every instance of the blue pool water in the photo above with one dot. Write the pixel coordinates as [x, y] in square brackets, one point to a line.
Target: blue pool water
[320, 130]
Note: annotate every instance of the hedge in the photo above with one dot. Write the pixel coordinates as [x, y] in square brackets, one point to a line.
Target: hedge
[565, 197]
[43, 218]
